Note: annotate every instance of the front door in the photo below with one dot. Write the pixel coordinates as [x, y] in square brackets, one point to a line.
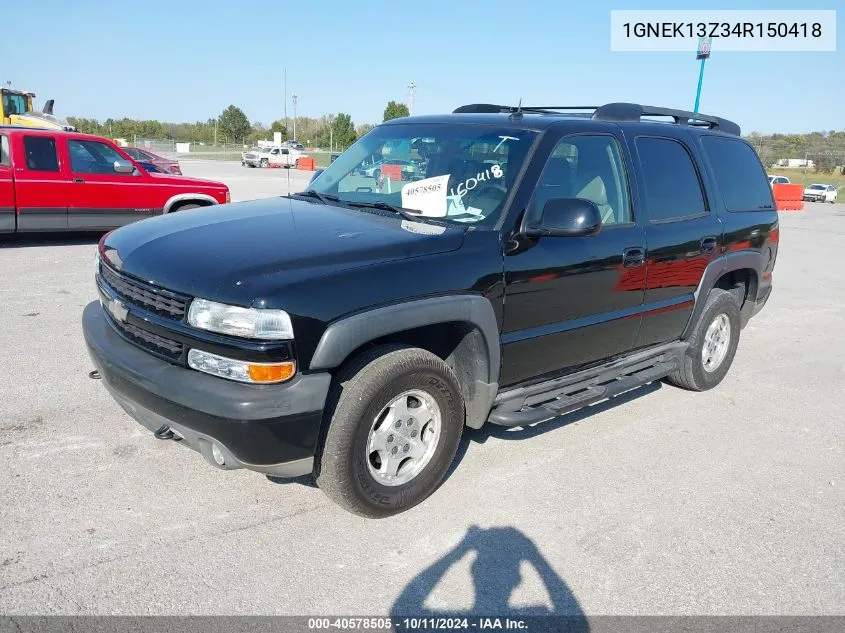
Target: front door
[101, 198]
[567, 302]
[41, 192]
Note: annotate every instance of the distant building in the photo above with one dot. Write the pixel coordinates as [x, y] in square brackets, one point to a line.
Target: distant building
[795, 162]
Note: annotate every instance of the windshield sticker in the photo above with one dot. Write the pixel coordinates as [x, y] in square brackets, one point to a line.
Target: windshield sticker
[493, 172]
[428, 196]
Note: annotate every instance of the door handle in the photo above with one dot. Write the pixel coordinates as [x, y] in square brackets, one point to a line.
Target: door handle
[78, 180]
[633, 257]
[708, 245]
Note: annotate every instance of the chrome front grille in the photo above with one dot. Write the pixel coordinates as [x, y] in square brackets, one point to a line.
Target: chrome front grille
[144, 295]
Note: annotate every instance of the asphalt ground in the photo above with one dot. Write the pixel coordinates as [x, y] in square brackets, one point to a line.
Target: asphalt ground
[659, 502]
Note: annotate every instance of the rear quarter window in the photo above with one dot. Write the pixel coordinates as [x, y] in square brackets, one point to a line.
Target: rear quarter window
[740, 176]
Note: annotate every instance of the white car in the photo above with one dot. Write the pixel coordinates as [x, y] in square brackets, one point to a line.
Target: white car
[778, 180]
[820, 193]
[278, 156]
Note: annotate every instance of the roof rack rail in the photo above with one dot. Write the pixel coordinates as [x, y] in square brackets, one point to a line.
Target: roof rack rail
[635, 112]
[616, 112]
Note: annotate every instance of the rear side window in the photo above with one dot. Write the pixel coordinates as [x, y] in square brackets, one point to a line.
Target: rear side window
[5, 158]
[672, 186]
[40, 153]
[739, 174]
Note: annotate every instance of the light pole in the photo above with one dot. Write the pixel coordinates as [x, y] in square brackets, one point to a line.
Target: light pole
[294, 99]
[331, 133]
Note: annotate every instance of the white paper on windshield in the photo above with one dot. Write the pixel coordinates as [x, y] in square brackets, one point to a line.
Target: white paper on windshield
[428, 196]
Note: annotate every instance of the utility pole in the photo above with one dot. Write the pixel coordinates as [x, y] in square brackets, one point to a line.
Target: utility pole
[702, 53]
[294, 99]
[215, 131]
[411, 89]
[286, 100]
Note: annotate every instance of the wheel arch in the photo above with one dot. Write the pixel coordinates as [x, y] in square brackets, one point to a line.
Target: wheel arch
[201, 198]
[746, 263]
[461, 329]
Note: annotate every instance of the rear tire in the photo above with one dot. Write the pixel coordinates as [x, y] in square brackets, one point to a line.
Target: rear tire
[395, 420]
[712, 346]
[185, 207]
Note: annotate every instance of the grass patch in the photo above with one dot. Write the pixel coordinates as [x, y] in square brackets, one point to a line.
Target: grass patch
[810, 177]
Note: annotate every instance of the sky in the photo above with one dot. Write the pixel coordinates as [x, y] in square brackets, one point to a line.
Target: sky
[187, 60]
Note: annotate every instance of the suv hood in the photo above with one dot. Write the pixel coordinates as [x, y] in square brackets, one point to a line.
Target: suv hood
[245, 252]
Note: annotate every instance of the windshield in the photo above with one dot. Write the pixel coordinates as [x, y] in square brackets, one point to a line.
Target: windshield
[456, 172]
[817, 186]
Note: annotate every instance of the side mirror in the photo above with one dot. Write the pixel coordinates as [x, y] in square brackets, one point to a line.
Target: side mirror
[122, 167]
[566, 217]
[316, 175]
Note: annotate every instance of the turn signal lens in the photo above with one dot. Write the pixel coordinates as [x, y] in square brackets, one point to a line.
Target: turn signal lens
[271, 373]
[240, 370]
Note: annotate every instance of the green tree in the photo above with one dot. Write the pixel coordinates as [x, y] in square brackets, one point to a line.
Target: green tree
[343, 130]
[395, 110]
[363, 129]
[233, 124]
[279, 126]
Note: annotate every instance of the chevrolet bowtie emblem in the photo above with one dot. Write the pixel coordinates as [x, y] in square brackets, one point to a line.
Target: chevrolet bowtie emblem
[118, 310]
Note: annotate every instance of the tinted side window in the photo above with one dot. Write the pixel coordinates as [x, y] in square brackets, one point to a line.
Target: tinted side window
[5, 158]
[739, 174]
[672, 187]
[40, 153]
[92, 157]
[588, 167]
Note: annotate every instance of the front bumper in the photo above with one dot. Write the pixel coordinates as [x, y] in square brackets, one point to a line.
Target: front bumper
[268, 428]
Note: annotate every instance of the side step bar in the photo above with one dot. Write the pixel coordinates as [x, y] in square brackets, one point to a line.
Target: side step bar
[545, 401]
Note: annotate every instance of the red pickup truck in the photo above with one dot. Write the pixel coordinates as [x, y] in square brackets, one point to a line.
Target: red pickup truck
[54, 181]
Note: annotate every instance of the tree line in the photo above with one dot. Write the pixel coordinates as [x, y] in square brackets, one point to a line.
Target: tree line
[825, 149]
[233, 126]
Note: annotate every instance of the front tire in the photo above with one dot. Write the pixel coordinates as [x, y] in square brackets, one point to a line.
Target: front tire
[396, 418]
[264, 163]
[712, 346]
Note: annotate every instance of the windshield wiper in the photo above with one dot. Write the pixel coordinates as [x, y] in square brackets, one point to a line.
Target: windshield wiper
[325, 198]
[387, 207]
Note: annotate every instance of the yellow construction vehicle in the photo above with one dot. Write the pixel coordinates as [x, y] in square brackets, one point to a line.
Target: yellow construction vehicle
[16, 109]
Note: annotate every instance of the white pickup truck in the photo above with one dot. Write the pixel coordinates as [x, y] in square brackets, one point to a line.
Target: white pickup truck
[275, 156]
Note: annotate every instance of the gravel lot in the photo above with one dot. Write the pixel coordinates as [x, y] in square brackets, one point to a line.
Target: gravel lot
[662, 502]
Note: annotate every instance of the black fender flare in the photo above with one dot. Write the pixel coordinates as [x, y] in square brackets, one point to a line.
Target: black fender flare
[715, 269]
[345, 335]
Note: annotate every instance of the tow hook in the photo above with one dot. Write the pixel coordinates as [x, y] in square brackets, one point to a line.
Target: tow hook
[94, 374]
[164, 433]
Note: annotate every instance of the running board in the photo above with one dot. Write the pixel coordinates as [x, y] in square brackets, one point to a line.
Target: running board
[545, 401]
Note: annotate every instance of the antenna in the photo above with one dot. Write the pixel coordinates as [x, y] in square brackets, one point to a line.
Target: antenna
[412, 87]
[517, 114]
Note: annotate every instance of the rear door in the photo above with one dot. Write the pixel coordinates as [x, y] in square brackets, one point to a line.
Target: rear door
[41, 192]
[7, 188]
[101, 198]
[683, 233]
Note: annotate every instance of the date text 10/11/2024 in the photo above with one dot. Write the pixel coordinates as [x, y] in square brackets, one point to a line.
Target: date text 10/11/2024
[418, 624]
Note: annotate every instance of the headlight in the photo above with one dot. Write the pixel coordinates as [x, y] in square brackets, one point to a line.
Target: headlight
[243, 322]
[240, 370]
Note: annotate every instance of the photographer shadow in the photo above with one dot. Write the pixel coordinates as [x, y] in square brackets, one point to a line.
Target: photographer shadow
[499, 555]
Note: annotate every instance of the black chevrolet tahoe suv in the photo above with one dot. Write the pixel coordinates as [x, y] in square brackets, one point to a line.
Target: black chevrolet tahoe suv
[501, 265]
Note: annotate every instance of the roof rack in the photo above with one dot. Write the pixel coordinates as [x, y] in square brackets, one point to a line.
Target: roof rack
[616, 112]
